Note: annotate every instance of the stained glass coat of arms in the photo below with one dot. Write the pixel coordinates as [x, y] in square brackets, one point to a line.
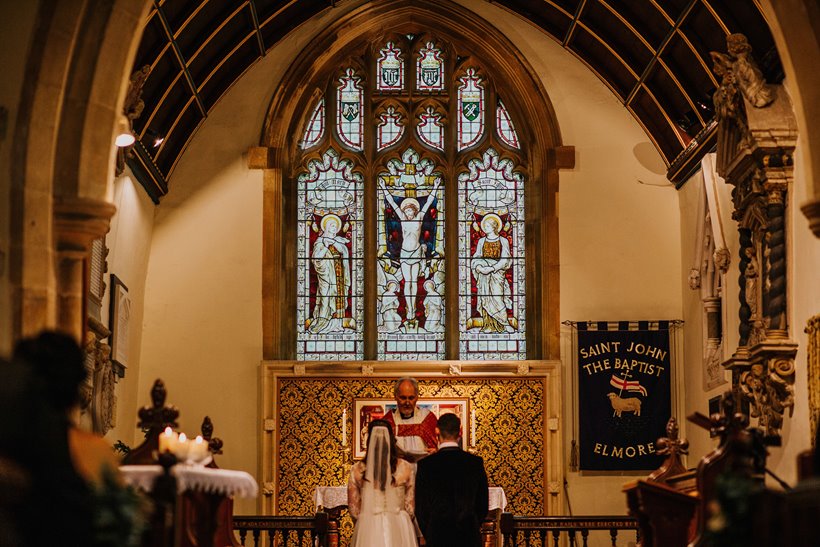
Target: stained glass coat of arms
[390, 69]
[349, 106]
[470, 109]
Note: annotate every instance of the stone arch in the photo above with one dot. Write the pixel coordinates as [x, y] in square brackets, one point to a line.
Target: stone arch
[76, 78]
[286, 114]
[795, 26]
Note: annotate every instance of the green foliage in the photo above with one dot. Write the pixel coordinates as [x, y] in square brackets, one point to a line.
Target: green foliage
[732, 511]
[119, 512]
[121, 448]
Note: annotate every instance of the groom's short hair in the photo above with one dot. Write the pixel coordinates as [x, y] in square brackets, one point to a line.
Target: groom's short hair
[449, 425]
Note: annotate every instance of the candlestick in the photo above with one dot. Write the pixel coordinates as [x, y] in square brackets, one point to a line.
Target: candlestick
[472, 427]
[344, 427]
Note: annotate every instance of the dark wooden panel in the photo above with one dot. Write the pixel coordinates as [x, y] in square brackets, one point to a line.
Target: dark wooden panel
[228, 72]
[176, 141]
[288, 19]
[612, 30]
[166, 69]
[541, 14]
[672, 99]
[652, 118]
[647, 20]
[609, 67]
[229, 37]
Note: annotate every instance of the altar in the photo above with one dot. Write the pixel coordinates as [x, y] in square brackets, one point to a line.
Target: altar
[333, 499]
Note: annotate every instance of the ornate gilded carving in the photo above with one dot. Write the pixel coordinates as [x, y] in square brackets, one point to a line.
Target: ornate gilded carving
[309, 429]
[756, 140]
[813, 367]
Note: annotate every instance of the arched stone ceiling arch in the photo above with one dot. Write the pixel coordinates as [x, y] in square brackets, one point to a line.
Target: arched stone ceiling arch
[652, 54]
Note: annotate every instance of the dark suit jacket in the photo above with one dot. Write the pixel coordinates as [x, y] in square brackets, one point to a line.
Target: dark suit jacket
[451, 498]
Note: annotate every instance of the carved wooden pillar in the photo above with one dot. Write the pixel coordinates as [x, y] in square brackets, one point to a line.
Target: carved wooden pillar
[77, 223]
[756, 140]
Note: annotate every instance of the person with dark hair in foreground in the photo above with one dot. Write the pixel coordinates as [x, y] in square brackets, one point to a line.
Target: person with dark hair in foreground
[451, 491]
[380, 493]
[72, 476]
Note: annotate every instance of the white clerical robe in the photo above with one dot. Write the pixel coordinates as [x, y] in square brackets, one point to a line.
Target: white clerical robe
[414, 434]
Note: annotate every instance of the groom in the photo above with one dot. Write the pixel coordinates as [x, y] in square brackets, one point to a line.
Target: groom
[451, 491]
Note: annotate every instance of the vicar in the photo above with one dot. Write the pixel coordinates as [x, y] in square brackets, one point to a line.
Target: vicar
[451, 491]
[415, 427]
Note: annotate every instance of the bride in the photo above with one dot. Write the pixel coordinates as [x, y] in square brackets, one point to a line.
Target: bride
[381, 493]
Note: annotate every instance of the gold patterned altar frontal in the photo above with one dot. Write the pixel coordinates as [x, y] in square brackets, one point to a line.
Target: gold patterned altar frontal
[509, 433]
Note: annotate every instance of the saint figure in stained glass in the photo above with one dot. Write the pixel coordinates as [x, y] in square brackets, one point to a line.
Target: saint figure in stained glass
[490, 264]
[331, 264]
[412, 255]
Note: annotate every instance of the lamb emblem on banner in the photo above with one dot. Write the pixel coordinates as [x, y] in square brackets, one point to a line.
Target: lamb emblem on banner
[633, 404]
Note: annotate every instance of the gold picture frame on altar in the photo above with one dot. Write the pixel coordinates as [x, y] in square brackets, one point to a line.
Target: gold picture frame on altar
[367, 410]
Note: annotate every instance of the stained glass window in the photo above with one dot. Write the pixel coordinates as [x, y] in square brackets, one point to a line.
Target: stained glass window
[349, 106]
[390, 136]
[430, 69]
[430, 129]
[330, 278]
[506, 129]
[410, 271]
[316, 126]
[390, 128]
[390, 69]
[470, 109]
[491, 260]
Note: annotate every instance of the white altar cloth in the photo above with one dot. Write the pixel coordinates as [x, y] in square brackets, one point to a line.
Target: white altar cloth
[335, 496]
[226, 482]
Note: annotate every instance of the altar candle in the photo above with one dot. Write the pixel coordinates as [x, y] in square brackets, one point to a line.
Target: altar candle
[199, 450]
[472, 427]
[344, 427]
[167, 440]
[182, 447]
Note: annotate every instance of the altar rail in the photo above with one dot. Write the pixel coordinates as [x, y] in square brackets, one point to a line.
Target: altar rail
[281, 531]
[516, 531]
[531, 531]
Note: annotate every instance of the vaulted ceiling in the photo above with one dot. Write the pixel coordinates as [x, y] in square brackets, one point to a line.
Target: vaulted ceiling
[652, 54]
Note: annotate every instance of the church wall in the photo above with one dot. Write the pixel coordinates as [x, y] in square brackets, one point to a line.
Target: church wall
[16, 27]
[203, 296]
[804, 302]
[129, 244]
[619, 228]
[620, 248]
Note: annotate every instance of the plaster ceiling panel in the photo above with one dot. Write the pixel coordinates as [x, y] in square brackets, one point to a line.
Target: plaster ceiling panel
[608, 66]
[612, 30]
[648, 20]
[225, 74]
[652, 118]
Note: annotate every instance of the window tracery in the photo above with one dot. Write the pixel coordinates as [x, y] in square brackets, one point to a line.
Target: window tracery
[416, 160]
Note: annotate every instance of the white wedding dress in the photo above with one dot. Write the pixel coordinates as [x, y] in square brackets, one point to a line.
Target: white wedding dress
[384, 517]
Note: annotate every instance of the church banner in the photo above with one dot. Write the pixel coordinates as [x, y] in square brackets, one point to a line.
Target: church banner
[624, 392]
